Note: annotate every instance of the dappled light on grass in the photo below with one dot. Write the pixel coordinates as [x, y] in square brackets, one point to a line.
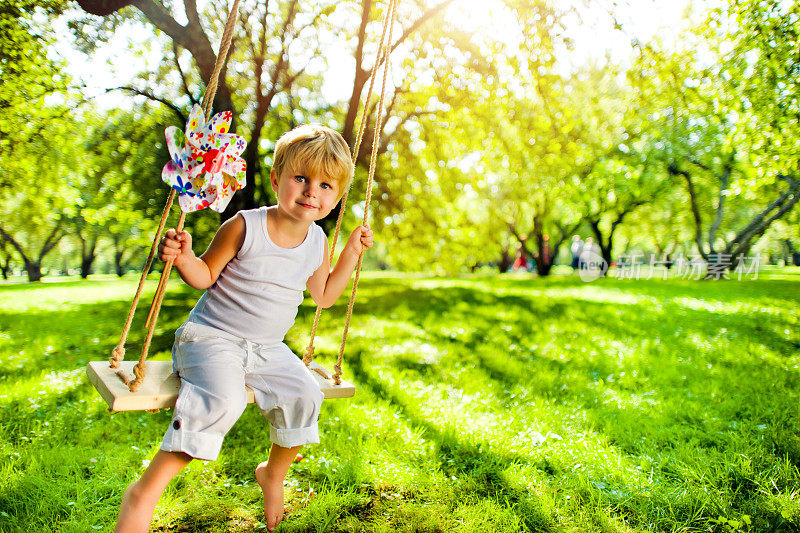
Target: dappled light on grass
[482, 404]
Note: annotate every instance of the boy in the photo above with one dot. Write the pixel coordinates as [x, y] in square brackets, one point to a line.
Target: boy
[255, 270]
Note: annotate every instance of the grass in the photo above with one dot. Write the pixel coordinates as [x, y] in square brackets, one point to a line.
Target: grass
[484, 404]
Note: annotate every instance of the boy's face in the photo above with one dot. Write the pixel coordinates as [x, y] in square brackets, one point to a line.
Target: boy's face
[303, 195]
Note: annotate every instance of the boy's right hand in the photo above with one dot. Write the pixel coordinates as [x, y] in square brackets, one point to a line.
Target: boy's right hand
[176, 247]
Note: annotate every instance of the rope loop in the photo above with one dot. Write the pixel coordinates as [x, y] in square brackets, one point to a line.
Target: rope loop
[116, 356]
[139, 370]
[309, 355]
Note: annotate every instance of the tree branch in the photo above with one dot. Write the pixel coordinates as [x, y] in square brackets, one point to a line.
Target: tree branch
[151, 96]
[363, 75]
[259, 56]
[192, 37]
[419, 22]
[9, 239]
[724, 178]
[51, 241]
[366, 8]
[698, 163]
[522, 239]
[282, 64]
[759, 225]
[184, 83]
[190, 6]
[625, 212]
[160, 17]
[673, 169]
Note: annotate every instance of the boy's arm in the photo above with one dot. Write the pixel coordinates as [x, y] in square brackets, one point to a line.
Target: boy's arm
[326, 285]
[201, 272]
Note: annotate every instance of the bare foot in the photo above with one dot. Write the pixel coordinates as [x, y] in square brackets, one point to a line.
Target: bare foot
[272, 489]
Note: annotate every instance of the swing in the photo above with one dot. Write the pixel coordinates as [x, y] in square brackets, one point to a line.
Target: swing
[112, 378]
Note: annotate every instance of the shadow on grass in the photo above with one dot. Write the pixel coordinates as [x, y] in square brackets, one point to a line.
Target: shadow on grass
[66, 339]
[479, 470]
[702, 379]
[671, 349]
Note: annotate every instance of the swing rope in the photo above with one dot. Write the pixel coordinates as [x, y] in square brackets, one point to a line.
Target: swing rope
[140, 368]
[384, 51]
[118, 354]
[382, 58]
[309, 355]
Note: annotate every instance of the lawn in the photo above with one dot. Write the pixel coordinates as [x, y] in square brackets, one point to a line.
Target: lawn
[484, 404]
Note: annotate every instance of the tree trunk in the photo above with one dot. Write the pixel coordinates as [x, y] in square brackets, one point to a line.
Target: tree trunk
[119, 266]
[792, 255]
[359, 79]
[34, 270]
[543, 257]
[753, 231]
[673, 169]
[604, 245]
[86, 265]
[5, 268]
[506, 261]
[88, 256]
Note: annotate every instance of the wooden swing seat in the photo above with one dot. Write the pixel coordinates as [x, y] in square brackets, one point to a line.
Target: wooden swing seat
[159, 390]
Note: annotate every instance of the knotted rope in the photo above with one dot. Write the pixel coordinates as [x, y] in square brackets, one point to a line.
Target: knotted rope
[140, 368]
[382, 58]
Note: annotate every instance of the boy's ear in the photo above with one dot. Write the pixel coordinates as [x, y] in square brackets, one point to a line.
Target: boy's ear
[273, 179]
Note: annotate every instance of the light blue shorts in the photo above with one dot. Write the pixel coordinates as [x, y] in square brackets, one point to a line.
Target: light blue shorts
[214, 367]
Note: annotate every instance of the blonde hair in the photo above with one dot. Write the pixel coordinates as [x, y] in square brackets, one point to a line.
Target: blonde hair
[315, 149]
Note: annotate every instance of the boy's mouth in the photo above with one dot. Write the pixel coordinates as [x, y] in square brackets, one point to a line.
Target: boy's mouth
[307, 206]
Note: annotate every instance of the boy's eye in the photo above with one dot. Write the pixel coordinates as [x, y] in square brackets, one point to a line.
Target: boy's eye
[326, 185]
[299, 178]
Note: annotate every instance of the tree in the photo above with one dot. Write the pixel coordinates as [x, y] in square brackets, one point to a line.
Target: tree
[280, 43]
[36, 203]
[457, 189]
[533, 192]
[32, 132]
[727, 121]
[120, 172]
[5, 258]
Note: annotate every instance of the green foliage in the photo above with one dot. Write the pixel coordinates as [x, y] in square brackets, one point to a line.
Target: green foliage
[725, 105]
[489, 404]
[119, 187]
[37, 154]
[763, 68]
[27, 72]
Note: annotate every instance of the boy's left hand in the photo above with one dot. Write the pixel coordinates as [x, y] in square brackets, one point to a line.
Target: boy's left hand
[361, 239]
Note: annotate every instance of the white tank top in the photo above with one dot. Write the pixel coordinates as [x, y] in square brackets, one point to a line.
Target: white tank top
[258, 292]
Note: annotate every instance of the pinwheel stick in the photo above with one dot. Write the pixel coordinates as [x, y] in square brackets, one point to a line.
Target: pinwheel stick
[140, 368]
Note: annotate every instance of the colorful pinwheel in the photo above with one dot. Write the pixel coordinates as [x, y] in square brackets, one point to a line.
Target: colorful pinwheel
[206, 167]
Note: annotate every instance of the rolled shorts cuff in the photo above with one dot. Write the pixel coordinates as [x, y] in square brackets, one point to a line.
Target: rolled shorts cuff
[289, 438]
[202, 446]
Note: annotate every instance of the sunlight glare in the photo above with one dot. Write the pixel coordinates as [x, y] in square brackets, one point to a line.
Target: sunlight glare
[485, 19]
